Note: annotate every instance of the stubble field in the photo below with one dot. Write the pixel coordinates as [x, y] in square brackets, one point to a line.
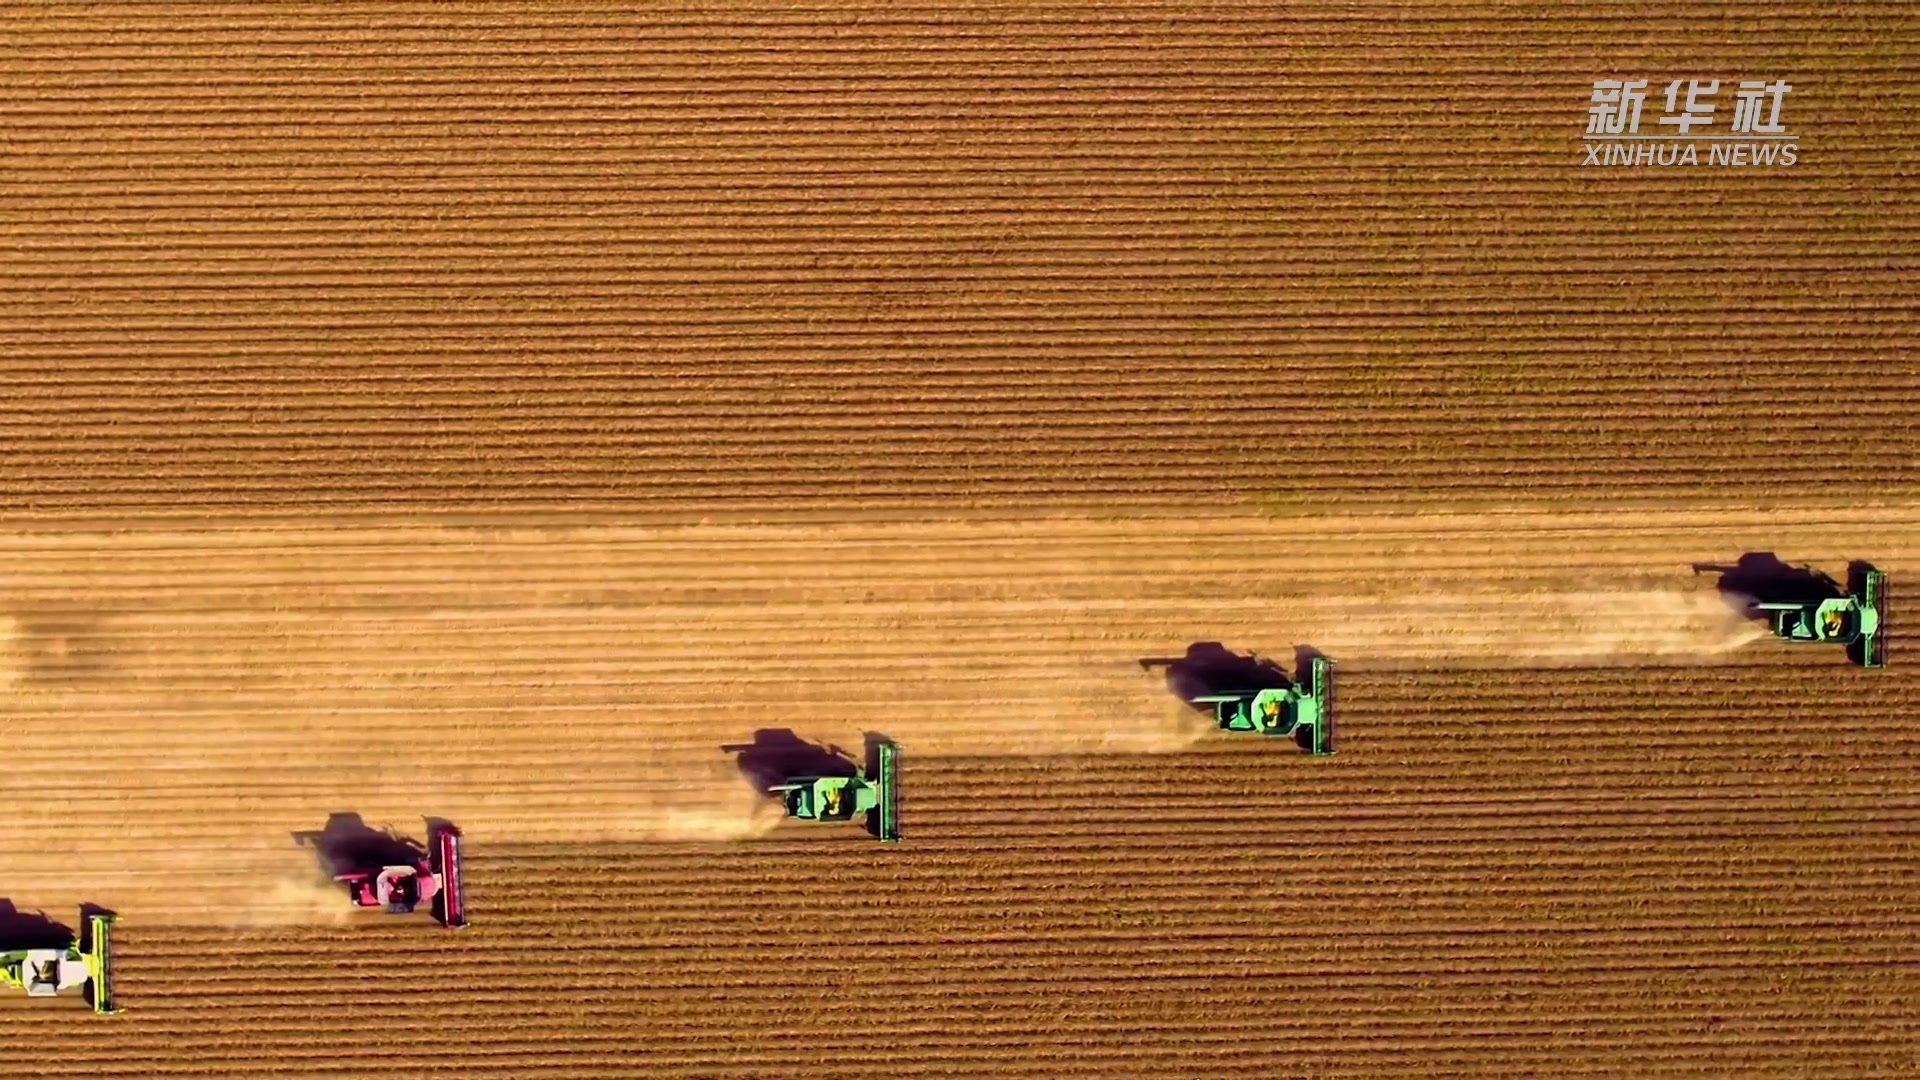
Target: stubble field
[491, 411]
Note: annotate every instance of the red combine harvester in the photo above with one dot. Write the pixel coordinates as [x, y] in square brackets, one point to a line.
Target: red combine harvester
[382, 869]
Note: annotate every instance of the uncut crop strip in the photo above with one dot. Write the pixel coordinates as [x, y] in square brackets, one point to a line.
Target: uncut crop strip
[899, 440]
[678, 263]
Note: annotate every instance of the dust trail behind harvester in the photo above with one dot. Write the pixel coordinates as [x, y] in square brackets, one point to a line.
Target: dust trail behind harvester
[714, 804]
[1659, 623]
[1527, 629]
[199, 882]
[296, 901]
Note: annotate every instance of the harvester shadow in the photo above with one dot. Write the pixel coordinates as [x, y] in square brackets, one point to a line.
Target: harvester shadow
[1211, 668]
[777, 755]
[87, 912]
[63, 647]
[348, 844]
[1857, 572]
[1760, 577]
[31, 930]
[874, 741]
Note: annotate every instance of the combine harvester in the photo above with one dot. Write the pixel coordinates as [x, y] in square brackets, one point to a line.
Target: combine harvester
[1801, 604]
[872, 795]
[383, 871]
[1858, 618]
[86, 964]
[1303, 711]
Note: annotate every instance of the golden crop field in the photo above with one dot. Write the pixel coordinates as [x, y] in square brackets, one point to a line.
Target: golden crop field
[493, 411]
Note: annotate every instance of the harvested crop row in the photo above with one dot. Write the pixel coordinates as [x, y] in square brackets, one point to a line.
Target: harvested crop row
[270, 669]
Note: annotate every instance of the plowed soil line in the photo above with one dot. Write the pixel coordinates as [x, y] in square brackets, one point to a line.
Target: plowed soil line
[177, 703]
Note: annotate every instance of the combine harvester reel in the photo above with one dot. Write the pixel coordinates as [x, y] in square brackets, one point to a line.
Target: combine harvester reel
[871, 796]
[382, 870]
[86, 963]
[1303, 711]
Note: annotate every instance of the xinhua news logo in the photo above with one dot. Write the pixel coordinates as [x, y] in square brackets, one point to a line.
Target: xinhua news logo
[1753, 137]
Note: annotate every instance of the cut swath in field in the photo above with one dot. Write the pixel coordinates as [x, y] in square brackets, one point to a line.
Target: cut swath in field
[1525, 629]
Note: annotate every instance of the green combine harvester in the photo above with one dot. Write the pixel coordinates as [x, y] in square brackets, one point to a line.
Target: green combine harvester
[1859, 617]
[870, 796]
[1303, 712]
[86, 964]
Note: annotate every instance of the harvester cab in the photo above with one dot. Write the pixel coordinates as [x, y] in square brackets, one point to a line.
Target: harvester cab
[831, 798]
[1856, 619]
[85, 965]
[399, 889]
[872, 795]
[1303, 712]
